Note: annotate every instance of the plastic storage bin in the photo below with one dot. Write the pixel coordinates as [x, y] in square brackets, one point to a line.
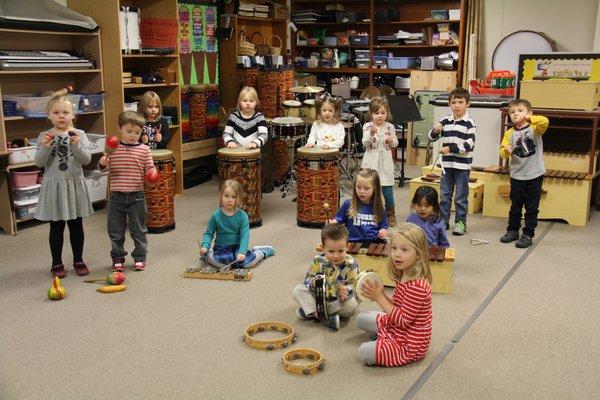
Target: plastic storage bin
[401, 62]
[26, 193]
[380, 61]
[20, 155]
[96, 182]
[9, 108]
[362, 63]
[20, 179]
[91, 103]
[97, 142]
[330, 41]
[359, 40]
[36, 107]
[25, 209]
[438, 15]
[362, 54]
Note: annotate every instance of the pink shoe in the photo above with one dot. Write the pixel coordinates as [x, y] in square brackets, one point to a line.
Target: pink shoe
[118, 266]
[58, 271]
[139, 266]
[81, 268]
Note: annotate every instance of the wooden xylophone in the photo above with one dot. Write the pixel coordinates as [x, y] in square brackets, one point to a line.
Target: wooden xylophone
[550, 173]
[210, 272]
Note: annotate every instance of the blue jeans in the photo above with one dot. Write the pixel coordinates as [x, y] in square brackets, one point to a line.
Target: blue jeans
[451, 178]
[388, 196]
[222, 255]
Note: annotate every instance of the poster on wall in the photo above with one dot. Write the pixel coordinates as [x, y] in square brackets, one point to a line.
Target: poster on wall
[198, 47]
[559, 65]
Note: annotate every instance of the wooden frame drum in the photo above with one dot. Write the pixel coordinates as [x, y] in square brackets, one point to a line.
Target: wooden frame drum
[243, 165]
[160, 197]
[318, 174]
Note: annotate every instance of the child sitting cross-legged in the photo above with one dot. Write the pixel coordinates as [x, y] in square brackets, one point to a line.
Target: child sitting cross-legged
[340, 272]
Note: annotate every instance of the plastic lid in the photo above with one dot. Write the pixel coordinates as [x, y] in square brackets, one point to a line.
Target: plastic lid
[27, 187]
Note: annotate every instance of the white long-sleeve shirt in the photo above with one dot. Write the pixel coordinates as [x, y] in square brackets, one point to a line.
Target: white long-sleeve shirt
[330, 135]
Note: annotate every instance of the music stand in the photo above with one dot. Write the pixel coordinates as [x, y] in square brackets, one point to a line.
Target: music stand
[403, 110]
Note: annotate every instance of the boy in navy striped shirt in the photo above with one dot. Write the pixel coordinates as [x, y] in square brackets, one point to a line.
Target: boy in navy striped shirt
[458, 141]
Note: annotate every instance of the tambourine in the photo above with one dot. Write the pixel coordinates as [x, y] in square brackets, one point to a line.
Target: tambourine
[270, 344]
[289, 357]
[362, 277]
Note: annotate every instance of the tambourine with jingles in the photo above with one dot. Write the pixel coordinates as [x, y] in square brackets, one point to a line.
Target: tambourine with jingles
[317, 361]
[319, 291]
[269, 344]
[362, 278]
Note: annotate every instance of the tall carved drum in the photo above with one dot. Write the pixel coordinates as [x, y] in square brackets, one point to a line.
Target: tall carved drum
[243, 165]
[318, 173]
[160, 197]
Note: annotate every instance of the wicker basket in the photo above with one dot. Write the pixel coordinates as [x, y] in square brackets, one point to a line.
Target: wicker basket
[262, 49]
[245, 48]
[274, 50]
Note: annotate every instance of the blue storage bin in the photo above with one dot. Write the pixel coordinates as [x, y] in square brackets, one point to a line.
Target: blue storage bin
[380, 61]
[401, 62]
[9, 108]
[362, 54]
[359, 40]
[91, 103]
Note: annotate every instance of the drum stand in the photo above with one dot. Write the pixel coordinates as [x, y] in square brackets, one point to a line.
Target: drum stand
[290, 182]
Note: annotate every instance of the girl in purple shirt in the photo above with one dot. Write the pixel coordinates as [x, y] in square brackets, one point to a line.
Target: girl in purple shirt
[428, 216]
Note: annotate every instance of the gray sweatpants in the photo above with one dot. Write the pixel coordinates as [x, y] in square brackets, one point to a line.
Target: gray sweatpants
[367, 321]
[306, 300]
[123, 209]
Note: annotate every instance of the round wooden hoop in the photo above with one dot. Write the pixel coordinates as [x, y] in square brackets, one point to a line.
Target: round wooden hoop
[270, 344]
[317, 364]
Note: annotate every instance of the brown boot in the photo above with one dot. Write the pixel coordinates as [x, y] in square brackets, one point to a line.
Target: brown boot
[391, 216]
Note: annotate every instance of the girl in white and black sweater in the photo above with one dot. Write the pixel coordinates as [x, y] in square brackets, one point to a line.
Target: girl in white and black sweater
[245, 126]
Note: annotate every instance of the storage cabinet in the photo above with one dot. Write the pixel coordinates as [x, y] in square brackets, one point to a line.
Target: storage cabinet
[31, 82]
[384, 19]
[106, 14]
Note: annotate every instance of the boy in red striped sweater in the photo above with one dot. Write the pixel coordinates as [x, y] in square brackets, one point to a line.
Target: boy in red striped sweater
[127, 165]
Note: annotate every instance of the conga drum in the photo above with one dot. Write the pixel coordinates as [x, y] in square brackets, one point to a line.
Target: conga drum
[243, 165]
[309, 109]
[160, 197]
[291, 108]
[317, 172]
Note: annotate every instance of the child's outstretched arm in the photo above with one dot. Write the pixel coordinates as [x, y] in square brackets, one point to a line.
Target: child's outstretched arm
[376, 292]
[369, 137]
[228, 134]
[312, 136]
[314, 270]
[505, 147]
[208, 236]
[244, 234]
[262, 131]
[539, 124]
[436, 132]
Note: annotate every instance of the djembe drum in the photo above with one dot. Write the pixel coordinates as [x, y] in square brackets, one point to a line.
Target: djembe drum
[243, 165]
[317, 176]
[160, 197]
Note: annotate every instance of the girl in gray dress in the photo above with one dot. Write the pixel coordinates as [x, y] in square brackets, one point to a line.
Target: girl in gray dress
[62, 151]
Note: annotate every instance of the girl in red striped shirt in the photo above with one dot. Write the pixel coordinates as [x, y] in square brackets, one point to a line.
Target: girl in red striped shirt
[403, 329]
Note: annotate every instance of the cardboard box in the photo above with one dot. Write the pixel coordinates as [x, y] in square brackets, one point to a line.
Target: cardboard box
[280, 11]
[561, 94]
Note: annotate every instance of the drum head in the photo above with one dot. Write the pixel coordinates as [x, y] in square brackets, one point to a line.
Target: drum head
[506, 54]
[287, 121]
[162, 154]
[362, 277]
[317, 152]
[310, 102]
[240, 152]
[292, 103]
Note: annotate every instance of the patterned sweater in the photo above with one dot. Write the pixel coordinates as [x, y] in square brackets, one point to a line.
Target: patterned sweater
[243, 131]
[128, 165]
[335, 275]
[459, 135]
[405, 334]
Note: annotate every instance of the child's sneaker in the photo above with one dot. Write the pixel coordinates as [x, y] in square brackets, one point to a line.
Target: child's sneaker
[118, 266]
[268, 251]
[524, 242]
[58, 271]
[139, 266]
[81, 268]
[459, 229]
[509, 236]
[302, 315]
[333, 322]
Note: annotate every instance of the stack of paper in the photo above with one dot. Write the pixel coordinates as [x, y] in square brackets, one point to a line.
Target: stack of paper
[454, 14]
[261, 11]
[304, 16]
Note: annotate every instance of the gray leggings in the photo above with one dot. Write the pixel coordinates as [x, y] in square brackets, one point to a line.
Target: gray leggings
[367, 321]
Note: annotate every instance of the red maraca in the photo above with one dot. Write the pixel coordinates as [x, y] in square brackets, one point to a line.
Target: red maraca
[152, 176]
[115, 278]
[112, 142]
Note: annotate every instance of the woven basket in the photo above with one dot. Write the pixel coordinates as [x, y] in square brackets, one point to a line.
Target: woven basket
[274, 50]
[245, 48]
[262, 49]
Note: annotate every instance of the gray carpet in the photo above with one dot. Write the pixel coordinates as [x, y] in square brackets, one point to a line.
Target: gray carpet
[167, 337]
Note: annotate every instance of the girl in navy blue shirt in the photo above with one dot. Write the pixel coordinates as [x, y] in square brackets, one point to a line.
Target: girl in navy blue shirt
[427, 215]
[364, 215]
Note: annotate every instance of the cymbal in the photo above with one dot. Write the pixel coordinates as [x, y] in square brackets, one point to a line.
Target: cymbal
[306, 89]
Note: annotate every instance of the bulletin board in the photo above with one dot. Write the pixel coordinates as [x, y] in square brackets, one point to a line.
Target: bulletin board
[198, 46]
[565, 65]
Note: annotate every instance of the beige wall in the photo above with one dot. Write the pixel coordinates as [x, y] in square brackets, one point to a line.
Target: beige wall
[572, 24]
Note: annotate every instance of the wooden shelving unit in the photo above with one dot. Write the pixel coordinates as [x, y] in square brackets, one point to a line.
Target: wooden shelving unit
[414, 16]
[106, 14]
[228, 48]
[35, 81]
